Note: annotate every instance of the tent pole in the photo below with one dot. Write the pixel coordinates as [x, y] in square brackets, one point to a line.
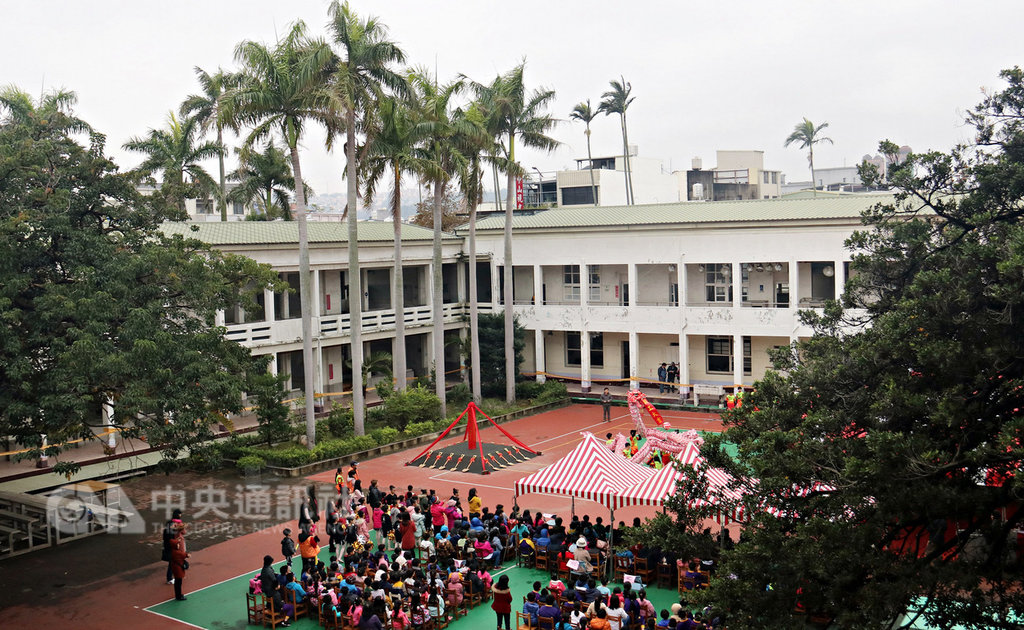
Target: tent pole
[611, 539]
[573, 511]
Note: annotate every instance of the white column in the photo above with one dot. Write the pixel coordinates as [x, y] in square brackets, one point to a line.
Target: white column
[44, 459]
[539, 357]
[840, 277]
[218, 318]
[684, 362]
[737, 285]
[634, 285]
[495, 286]
[585, 359]
[634, 355]
[272, 367]
[681, 280]
[108, 415]
[737, 359]
[538, 284]
[794, 284]
[268, 305]
[317, 299]
[460, 280]
[584, 284]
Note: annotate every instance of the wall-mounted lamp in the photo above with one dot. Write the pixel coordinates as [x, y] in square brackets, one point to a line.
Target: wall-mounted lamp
[828, 271]
[700, 268]
[778, 267]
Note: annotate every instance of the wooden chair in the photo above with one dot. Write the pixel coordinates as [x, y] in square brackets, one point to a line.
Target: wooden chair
[545, 623]
[541, 558]
[440, 623]
[457, 610]
[301, 607]
[271, 617]
[525, 560]
[666, 574]
[686, 584]
[330, 621]
[622, 566]
[254, 609]
[523, 621]
[475, 598]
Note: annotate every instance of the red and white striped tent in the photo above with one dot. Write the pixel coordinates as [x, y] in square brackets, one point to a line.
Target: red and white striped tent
[590, 471]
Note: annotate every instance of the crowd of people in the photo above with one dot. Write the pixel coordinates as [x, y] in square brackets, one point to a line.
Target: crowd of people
[398, 560]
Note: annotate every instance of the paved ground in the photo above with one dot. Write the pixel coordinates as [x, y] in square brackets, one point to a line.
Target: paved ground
[109, 580]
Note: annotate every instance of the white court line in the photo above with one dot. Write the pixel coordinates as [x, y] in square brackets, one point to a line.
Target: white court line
[191, 625]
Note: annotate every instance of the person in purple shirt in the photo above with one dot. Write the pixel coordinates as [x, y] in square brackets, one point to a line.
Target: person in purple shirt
[550, 610]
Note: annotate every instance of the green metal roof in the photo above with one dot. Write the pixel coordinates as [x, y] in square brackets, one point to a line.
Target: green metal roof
[832, 207]
[287, 232]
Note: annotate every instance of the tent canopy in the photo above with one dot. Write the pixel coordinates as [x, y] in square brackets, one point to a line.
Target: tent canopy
[590, 471]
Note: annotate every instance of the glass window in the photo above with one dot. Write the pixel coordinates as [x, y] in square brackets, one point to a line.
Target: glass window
[204, 206]
[578, 196]
[597, 349]
[719, 355]
[673, 294]
[775, 177]
[571, 282]
[237, 208]
[765, 177]
[573, 350]
[594, 282]
[718, 282]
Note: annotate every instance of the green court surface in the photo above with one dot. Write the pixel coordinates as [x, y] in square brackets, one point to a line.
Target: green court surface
[222, 606]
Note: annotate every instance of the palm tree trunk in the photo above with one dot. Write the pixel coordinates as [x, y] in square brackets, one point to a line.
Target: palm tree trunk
[305, 295]
[355, 289]
[223, 186]
[474, 321]
[497, 188]
[510, 352]
[625, 158]
[814, 179]
[398, 288]
[438, 300]
[629, 162]
[590, 163]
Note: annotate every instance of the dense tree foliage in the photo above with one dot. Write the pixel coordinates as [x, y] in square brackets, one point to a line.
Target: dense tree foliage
[882, 460]
[97, 304]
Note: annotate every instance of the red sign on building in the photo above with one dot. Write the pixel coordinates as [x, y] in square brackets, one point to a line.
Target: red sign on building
[519, 193]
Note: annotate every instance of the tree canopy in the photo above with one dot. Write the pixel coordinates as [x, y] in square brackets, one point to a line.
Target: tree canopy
[881, 460]
[97, 304]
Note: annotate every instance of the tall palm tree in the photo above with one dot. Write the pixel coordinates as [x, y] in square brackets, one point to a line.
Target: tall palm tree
[207, 110]
[395, 146]
[175, 152]
[264, 178]
[511, 113]
[281, 90]
[56, 107]
[585, 114]
[808, 134]
[616, 101]
[475, 142]
[363, 70]
[446, 162]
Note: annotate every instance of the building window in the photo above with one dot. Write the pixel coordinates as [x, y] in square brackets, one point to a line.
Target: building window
[578, 196]
[718, 282]
[594, 282]
[204, 206]
[775, 177]
[573, 350]
[673, 293]
[597, 349]
[765, 177]
[571, 282]
[237, 208]
[719, 355]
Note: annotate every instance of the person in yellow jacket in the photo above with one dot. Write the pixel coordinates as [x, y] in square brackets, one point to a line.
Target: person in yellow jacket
[475, 504]
[309, 549]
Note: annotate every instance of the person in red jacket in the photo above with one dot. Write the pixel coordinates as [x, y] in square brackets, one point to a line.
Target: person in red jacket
[407, 531]
[501, 601]
[178, 563]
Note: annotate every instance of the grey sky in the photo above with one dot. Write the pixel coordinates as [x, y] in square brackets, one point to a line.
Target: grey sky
[706, 75]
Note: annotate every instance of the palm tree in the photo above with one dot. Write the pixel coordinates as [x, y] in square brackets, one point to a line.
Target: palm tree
[281, 90]
[207, 110]
[395, 147]
[174, 153]
[264, 178]
[446, 161]
[585, 114]
[363, 70]
[808, 135]
[54, 107]
[509, 113]
[475, 142]
[616, 101]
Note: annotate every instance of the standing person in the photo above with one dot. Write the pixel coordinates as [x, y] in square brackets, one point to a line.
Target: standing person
[179, 564]
[314, 507]
[170, 532]
[606, 404]
[374, 496]
[305, 519]
[352, 475]
[662, 378]
[407, 533]
[339, 481]
[673, 376]
[501, 602]
[474, 504]
[288, 546]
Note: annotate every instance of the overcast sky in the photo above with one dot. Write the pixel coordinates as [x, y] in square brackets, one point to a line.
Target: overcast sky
[706, 75]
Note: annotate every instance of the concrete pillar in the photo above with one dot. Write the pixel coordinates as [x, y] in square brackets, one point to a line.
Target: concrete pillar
[539, 357]
[538, 284]
[44, 459]
[840, 277]
[272, 367]
[634, 285]
[495, 286]
[794, 284]
[737, 359]
[584, 284]
[317, 299]
[681, 280]
[737, 284]
[634, 353]
[461, 291]
[218, 318]
[108, 421]
[585, 359]
[268, 305]
[684, 362]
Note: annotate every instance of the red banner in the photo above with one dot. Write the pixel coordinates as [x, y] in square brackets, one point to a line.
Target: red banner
[519, 193]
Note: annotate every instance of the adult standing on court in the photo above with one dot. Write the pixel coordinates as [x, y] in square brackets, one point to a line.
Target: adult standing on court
[170, 532]
[179, 563]
[502, 601]
[606, 403]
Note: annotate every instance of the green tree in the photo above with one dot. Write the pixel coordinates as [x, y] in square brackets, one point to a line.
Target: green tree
[363, 70]
[807, 134]
[176, 152]
[206, 108]
[451, 206]
[265, 180]
[282, 90]
[616, 101]
[395, 147]
[883, 449]
[585, 114]
[492, 351]
[510, 112]
[98, 304]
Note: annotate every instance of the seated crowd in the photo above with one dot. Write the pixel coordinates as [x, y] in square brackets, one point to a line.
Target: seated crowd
[410, 561]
